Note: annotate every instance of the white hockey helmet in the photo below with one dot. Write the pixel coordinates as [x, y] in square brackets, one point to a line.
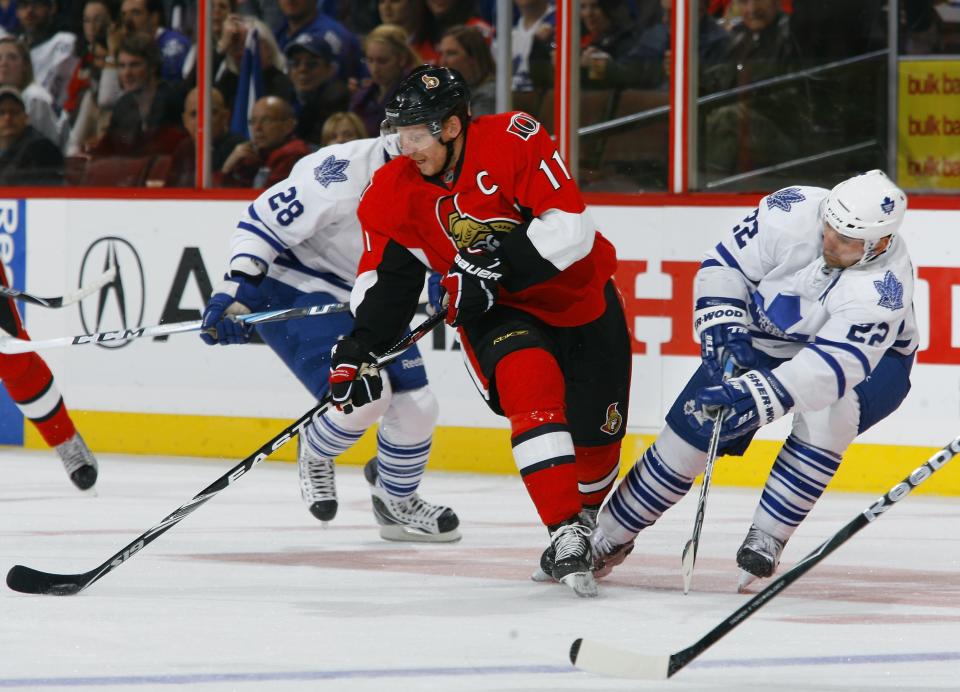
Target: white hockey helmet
[868, 206]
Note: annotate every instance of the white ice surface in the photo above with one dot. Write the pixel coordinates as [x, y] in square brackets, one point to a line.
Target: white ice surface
[251, 593]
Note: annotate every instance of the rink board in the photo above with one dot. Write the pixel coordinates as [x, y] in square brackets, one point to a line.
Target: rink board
[181, 397]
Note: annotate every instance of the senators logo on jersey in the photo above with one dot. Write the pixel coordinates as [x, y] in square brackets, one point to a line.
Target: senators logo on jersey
[466, 229]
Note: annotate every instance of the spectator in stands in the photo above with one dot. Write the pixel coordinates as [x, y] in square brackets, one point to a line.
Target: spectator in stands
[91, 50]
[272, 151]
[272, 63]
[531, 38]
[182, 171]
[342, 127]
[613, 55]
[319, 92]
[26, 156]
[303, 16]
[51, 51]
[16, 71]
[219, 11]
[756, 128]
[444, 14]
[9, 24]
[411, 16]
[389, 58]
[146, 16]
[464, 49]
[146, 117]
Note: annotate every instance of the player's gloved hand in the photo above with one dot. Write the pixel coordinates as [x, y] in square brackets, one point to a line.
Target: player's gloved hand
[437, 298]
[233, 297]
[721, 325]
[754, 399]
[354, 377]
[472, 285]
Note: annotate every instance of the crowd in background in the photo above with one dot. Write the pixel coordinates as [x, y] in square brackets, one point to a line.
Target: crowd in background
[88, 81]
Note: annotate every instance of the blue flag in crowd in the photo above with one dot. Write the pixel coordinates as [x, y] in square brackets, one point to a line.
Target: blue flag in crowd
[249, 85]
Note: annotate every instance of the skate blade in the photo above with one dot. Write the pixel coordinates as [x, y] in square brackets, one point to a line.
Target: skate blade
[541, 577]
[408, 534]
[746, 579]
[582, 583]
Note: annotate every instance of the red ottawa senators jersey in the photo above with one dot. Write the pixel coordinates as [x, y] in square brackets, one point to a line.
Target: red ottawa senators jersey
[511, 194]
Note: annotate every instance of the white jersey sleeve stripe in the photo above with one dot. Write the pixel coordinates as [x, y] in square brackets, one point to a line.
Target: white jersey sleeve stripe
[561, 237]
[849, 348]
[272, 242]
[835, 366]
[256, 217]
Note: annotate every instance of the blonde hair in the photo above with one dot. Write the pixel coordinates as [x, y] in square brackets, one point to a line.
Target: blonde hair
[396, 39]
[335, 119]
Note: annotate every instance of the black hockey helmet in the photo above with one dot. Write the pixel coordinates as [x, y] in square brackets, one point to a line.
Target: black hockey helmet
[428, 95]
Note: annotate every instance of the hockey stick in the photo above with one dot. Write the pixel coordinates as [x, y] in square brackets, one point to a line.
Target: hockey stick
[600, 658]
[689, 557]
[67, 298]
[28, 580]
[10, 344]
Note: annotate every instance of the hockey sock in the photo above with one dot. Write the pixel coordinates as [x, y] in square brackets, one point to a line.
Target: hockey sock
[31, 386]
[404, 440]
[597, 469]
[797, 480]
[531, 389]
[659, 479]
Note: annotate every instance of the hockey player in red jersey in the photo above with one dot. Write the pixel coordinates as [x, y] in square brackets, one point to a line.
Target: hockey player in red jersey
[490, 204]
[30, 384]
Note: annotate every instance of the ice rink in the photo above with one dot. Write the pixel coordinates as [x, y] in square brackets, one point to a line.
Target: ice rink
[251, 593]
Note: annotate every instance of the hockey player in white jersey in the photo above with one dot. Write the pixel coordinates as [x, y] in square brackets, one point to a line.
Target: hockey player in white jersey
[299, 244]
[811, 297]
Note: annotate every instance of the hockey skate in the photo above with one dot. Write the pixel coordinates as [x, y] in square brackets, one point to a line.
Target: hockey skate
[544, 573]
[758, 556]
[572, 561]
[607, 555]
[318, 485]
[409, 518]
[79, 462]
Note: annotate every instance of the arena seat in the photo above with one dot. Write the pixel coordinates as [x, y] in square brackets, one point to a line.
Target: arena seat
[117, 171]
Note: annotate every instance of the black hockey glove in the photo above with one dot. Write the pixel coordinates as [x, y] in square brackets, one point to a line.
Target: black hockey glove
[472, 284]
[354, 377]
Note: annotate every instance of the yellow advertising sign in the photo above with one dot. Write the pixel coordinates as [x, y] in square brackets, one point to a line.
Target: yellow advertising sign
[928, 156]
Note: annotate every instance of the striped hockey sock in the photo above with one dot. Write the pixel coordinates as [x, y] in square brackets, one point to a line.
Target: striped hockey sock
[400, 467]
[797, 480]
[327, 439]
[647, 491]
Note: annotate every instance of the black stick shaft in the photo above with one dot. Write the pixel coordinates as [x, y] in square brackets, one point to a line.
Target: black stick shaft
[873, 512]
[28, 580]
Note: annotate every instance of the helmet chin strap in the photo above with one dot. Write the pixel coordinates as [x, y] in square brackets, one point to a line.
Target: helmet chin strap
[449, 157]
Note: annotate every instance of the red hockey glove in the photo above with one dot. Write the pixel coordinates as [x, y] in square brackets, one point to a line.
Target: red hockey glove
[472, 285]
[354, 379]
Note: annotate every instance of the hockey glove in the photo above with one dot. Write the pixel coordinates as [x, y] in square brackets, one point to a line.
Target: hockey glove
[234, 296]
[472, 285]
[436, 295]
[354, 379]
[721, 324]
[754, 399]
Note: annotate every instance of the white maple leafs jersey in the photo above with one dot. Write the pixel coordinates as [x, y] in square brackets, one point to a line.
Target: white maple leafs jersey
[305, 228]
[833, 324]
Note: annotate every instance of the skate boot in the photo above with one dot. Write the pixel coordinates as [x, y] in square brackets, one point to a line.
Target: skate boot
[572, 561]
[79, 462]
[758, 556]
[588, 517]
[318, 485]
[409, 518]
[607, 555]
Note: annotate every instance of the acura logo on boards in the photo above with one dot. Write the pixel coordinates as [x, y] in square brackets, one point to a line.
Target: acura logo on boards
[120, 304]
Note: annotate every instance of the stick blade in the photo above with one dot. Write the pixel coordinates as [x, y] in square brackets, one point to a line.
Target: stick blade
[28, 580]
[687, 562]
[602, 659]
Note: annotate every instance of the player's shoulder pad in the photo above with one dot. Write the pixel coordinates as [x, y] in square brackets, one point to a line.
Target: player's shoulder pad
[514, 127]
[339, 169]
[792, 210]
